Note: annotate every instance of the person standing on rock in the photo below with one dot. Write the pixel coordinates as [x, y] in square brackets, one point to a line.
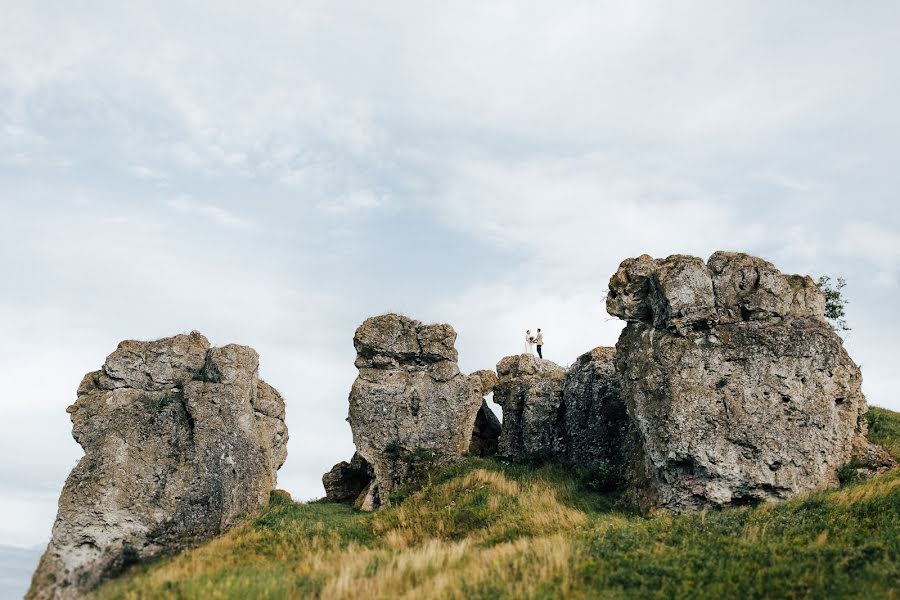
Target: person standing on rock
[529, 342]
[539, 341]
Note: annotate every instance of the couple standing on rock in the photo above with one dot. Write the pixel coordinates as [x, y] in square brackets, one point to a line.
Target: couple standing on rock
[534, 340]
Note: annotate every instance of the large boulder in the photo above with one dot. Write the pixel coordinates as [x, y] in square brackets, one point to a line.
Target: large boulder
[182, 441]
[740, 390]
[410, 405]
[530, 392]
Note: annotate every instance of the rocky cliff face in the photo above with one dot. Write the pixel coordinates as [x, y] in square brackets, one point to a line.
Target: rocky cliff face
[595, 421]
[740, 390]
[181, 442]
[410, 403]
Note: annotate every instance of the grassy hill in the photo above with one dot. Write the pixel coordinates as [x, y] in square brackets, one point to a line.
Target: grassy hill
[489, 530]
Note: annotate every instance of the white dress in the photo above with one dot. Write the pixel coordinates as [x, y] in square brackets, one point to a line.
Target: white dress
[529, 344]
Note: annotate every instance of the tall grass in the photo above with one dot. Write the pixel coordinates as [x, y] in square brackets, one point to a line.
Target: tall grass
[484, 529]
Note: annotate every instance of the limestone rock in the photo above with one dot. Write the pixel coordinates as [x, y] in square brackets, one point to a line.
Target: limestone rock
[346, 481]
[181, 441]
[488, 380]
[868, 459]
[739, 389]
[410, 403]
[594, 417]
[530, 393]
[680, 292]
[486, 433]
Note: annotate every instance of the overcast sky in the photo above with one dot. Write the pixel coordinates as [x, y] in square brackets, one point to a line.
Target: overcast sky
[272, 174]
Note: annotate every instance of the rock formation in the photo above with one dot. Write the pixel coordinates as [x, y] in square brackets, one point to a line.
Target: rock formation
[410, 405]
[346, 481]
[181, 441]
[594, 420]
[740, 390]
[488, 380]
[486, 433]
[530, 392]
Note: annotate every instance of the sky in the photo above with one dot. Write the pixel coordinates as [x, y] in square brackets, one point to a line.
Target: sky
[273, 173]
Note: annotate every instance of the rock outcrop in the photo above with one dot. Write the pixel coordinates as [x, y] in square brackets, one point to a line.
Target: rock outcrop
[410, 404]
[530, 392]
[740, 390]
[182, 441]
[594, 420]
[346, 481]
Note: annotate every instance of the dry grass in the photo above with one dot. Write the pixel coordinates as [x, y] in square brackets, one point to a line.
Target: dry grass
[439, 569]
[879, 488]
[487, 530]
[482, 506]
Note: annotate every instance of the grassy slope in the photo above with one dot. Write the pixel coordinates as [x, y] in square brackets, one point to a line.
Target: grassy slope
[487, 530]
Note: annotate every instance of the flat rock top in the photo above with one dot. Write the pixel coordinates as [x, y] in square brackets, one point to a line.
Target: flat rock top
[526, 364]
[402, 338]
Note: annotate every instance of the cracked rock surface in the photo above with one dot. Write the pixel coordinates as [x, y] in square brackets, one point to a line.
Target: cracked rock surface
[530, 392]
[740, 390]
[181, 442]
[410, 404]
[594, 420]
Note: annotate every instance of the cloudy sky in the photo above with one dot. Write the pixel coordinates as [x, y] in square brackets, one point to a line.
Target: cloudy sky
[273, 173]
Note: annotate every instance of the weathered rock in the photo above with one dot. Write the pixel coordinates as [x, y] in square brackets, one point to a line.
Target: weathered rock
[868, 459]
[488, 380]
[181, 442]
[680, 292]
[486, 433]
[347, 480]
[594, 418]
[530, 393]
[740, 390]
[410, 404]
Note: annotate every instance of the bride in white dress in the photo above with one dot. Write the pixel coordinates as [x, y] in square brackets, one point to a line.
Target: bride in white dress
[529, 342]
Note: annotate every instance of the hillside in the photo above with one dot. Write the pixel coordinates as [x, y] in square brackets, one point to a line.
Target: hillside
[486, 530]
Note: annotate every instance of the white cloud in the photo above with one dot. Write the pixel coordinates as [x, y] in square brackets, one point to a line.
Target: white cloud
[186, 206]
[353, 202]
[876, 246]
[146, 172]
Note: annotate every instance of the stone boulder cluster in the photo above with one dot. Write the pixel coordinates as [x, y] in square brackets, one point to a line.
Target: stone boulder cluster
[727, 387]
[181, 442]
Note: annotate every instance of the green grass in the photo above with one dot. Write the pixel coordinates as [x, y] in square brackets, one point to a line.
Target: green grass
[484, 529]
[884, 429]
